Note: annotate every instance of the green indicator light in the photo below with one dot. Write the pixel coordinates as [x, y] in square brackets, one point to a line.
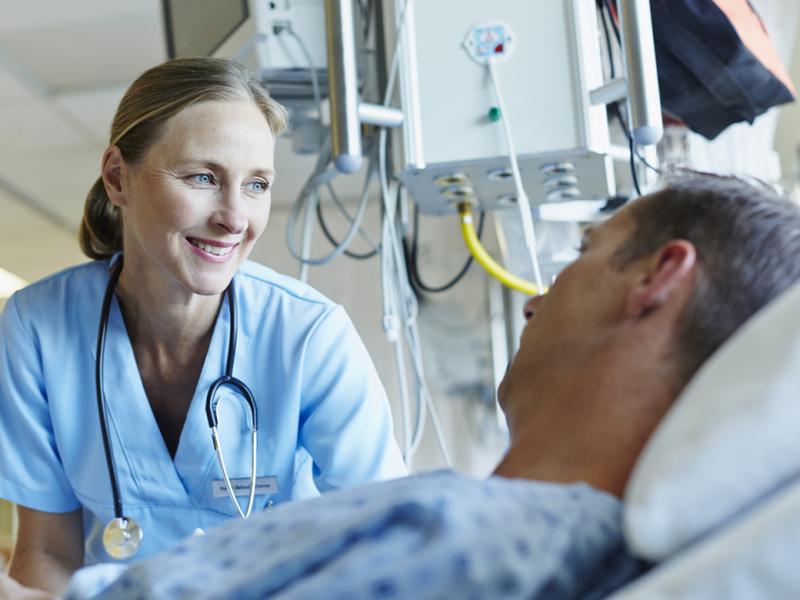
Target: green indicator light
[494, 114]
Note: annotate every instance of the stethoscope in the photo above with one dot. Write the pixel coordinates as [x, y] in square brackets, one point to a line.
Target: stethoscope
[123, 536]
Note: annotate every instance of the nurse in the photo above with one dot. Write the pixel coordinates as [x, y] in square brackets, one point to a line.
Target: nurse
[183, 196]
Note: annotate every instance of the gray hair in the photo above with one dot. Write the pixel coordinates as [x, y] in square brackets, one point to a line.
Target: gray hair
[747, 239]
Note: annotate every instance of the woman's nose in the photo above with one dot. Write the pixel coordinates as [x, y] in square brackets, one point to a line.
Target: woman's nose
[231, 214]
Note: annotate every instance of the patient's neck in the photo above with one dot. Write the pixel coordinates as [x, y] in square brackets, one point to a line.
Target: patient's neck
[590, 426]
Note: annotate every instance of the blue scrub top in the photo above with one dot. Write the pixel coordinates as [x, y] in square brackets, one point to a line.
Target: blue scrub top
[324, 420]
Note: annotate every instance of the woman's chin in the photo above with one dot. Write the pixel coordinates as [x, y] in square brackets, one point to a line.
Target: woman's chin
[209, 289]
[207, 285]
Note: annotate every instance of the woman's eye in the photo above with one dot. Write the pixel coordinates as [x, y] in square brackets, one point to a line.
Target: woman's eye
[202, 179]
[258, 186]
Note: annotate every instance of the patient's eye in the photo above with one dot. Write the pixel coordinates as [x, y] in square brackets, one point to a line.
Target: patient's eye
[584, 245]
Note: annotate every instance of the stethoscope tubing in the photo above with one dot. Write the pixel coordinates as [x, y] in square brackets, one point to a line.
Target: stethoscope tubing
[228, 485]
[98, 373]
[211, 399]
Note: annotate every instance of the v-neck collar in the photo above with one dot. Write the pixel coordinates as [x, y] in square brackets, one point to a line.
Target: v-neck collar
[156, 474]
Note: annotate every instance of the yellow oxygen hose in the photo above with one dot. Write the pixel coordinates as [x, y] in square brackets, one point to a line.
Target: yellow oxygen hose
[486, 261]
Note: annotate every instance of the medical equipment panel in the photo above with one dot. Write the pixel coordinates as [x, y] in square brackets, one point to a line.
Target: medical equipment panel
[282, 42]
[547, 59]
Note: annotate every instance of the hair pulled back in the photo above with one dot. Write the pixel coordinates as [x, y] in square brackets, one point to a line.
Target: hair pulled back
[156, 96]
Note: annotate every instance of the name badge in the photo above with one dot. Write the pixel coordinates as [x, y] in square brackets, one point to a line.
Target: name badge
[241, 487]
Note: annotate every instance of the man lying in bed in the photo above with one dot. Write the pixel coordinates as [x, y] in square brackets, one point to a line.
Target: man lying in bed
[657, 288]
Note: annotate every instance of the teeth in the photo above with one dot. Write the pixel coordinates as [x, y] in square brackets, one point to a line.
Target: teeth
[215, 250]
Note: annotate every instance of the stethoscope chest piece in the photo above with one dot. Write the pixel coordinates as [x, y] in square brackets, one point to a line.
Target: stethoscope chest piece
[122, 537]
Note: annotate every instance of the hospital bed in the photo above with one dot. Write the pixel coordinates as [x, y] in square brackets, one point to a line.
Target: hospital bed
[714, 501]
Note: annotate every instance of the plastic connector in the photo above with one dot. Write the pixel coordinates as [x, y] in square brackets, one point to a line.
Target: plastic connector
[391, 327]
[278, 27]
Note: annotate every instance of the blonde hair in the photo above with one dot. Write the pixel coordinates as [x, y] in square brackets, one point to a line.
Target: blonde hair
[156, 96]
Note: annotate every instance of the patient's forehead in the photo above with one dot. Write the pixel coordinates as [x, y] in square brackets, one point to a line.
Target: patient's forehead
[617, 227]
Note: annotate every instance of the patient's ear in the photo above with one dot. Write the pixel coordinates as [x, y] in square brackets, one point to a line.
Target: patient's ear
[663, 274]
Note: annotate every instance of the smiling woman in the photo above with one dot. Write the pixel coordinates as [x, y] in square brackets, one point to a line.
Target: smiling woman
[203, 186]
[107, 451]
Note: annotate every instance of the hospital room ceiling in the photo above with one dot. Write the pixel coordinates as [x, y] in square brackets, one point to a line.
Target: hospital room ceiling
[63, 68]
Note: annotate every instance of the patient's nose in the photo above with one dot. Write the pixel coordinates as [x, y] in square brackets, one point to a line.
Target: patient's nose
[530, 306]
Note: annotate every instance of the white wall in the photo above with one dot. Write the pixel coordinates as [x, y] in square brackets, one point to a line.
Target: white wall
[787, 139]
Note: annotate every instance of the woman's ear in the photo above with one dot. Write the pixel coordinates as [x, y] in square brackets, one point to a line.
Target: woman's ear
[666, 273]
[111, 171]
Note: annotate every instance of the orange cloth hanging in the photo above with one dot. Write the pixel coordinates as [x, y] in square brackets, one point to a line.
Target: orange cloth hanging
[755, 37]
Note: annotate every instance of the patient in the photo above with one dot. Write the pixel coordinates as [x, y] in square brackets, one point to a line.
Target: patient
[656, 290]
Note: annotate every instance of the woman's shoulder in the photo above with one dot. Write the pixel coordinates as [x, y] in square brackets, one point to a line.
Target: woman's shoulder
[261, 278]
[75, 276]
[69, 286]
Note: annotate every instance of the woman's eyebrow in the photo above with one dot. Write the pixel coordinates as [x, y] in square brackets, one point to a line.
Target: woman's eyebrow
[215, 166]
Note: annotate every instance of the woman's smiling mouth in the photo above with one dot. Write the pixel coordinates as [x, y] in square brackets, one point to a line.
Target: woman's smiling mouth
[209, 247]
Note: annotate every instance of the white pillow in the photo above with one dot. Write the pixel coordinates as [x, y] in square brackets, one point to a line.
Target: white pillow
[753, 558]
[731, 437]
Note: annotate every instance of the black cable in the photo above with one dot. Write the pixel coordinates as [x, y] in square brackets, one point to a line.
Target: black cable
[645, 162]
[614, 106]
[618, 113]
[413, 269]
[633, 166]
[366, 18]
[326, 232]
[615, 26]
[606, 15]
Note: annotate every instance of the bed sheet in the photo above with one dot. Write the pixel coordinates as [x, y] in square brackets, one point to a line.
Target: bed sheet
[437, 535]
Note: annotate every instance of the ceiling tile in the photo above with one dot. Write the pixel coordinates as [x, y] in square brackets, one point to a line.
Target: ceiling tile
[94, 110]
[89, 55]
[38, 14]
[34, 126]
[56, 180]
[13, 92]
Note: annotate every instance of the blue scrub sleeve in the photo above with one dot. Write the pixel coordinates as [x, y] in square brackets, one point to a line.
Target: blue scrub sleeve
[346, 422]
[31, 473]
